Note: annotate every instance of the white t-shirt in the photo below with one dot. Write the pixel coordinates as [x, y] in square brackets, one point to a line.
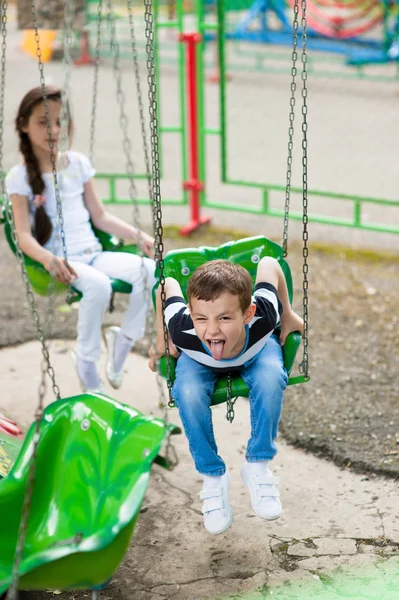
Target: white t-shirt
[79, 235]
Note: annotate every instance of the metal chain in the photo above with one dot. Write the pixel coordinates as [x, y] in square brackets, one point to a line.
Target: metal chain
[46, 365]
[144, 136]
[49, 133]
[304, 366]
[95, 83]
[157, 215]
[230, 400]
[140, 101]
[124, 123]
[63, 142]
[294, 72]
[156, 187]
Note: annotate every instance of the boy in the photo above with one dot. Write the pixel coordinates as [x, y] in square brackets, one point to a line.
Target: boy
[224, 329]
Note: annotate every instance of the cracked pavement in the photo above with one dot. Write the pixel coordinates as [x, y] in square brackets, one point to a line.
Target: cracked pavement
[338, 536]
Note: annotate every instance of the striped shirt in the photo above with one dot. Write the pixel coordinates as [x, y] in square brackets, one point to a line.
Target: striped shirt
[258, 331]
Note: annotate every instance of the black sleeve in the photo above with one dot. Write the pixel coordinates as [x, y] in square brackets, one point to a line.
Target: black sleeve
[268, 305]
[178, 320]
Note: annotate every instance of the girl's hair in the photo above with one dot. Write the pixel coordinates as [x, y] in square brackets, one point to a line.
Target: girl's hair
[33, 98]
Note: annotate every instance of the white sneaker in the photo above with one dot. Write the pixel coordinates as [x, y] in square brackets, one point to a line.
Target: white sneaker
[114, 378]
[262, 489]
[98, 390]
[216, 508]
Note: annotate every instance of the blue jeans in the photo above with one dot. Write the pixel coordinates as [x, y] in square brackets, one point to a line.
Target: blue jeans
[266, 378]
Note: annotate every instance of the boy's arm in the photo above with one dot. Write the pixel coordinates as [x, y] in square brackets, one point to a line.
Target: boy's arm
[172, 288]
[270, 271]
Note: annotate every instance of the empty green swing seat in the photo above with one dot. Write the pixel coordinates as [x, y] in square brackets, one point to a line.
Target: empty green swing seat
[40, 278]
[247, 252]
[93, 466]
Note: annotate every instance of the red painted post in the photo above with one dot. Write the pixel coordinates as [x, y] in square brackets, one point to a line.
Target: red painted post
[85, 57]
[193, 185]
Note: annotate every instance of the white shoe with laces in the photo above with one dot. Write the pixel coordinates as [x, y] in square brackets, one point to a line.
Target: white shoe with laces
[114, 378]
[261, 484]
[216, 508]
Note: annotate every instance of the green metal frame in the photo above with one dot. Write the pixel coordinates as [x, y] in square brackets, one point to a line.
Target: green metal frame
[204, 27]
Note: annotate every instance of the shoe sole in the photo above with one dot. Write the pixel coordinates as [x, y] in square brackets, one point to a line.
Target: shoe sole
[272, 517]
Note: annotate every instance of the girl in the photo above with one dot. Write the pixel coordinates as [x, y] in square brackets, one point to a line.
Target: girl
[30, 186]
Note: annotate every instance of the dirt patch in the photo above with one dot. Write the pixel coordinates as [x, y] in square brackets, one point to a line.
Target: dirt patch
[349, 411]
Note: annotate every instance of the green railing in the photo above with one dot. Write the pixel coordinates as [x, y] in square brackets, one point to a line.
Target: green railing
[356, 221]
[198, 23]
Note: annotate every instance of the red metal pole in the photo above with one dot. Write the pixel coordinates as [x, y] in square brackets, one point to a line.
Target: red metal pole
[193, 185]
[85, 58]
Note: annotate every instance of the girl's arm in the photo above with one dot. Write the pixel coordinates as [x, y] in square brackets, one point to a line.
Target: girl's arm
[30, 246]
[110, 224]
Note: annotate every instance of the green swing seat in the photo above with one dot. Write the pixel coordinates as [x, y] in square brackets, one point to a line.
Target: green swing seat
[247, 252]
[40, 278]
[93, 466]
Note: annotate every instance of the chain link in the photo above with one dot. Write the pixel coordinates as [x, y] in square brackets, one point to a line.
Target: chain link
[95, 83]
[294, 72]
[157, 215]
[230, 400]
[304, 366]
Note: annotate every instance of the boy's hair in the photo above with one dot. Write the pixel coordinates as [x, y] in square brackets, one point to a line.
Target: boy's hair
[216, 277]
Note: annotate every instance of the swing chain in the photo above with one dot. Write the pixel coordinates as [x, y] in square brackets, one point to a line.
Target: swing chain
[147, 163]
[304, 366]
[63, 142]
[46, 365]
[126, 141]
[230, 400]
[10, 219]
[123, 120]
[60, 226]
[127, 146]
[156, 188]
[95, 84]
[140, 100]
[294, 72]
[157, 217]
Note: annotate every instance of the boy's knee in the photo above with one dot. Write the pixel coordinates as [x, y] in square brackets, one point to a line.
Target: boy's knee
[190, 393]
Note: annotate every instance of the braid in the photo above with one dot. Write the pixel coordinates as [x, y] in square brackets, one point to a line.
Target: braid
[43, 227]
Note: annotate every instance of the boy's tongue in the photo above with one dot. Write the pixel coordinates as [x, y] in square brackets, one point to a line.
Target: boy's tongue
[216, 349]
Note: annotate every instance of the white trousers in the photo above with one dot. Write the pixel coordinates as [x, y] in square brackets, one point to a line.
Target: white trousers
[94, 271]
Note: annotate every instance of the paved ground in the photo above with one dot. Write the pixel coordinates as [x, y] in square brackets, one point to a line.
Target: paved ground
[339, 532]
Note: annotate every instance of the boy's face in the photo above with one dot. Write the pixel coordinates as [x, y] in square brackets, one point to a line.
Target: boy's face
[220, 324]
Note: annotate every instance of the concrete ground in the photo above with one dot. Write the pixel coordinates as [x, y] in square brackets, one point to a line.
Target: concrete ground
[335, 524]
